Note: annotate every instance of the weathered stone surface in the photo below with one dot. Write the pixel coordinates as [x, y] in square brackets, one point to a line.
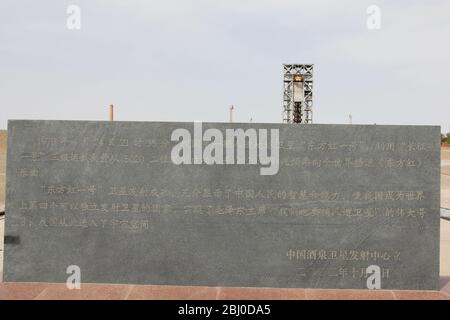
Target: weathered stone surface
[107, 198]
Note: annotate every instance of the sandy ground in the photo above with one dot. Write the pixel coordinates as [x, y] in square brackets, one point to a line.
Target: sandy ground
[445, 202]
[2, 232]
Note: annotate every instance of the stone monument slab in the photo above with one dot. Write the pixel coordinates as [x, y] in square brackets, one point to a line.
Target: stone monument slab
[223, 204]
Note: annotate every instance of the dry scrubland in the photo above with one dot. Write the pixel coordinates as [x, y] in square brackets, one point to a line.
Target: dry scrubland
[445, 202]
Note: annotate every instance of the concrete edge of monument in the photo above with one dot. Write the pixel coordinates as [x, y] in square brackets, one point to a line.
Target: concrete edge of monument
[445, 213]
[226, 123]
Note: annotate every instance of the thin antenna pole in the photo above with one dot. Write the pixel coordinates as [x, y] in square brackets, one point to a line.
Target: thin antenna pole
[231, 113]
[111, 112]
[350, 118]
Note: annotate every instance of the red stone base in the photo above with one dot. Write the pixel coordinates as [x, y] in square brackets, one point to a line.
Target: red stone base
[51, 291]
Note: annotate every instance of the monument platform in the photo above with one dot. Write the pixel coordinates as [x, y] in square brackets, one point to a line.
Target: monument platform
[53, 291]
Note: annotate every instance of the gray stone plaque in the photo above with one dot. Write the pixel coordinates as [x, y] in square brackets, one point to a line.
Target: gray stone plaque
[223, 204]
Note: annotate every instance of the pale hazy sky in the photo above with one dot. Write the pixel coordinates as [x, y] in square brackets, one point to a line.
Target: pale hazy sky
[190, 60]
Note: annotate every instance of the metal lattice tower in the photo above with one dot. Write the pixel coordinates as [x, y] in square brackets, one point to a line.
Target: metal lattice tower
[297, 93]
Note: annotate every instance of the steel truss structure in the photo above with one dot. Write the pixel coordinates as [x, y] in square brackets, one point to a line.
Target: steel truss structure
[297, 93]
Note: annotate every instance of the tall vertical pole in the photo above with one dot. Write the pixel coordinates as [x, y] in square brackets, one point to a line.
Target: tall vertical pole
[111, 112]
[231, 113]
